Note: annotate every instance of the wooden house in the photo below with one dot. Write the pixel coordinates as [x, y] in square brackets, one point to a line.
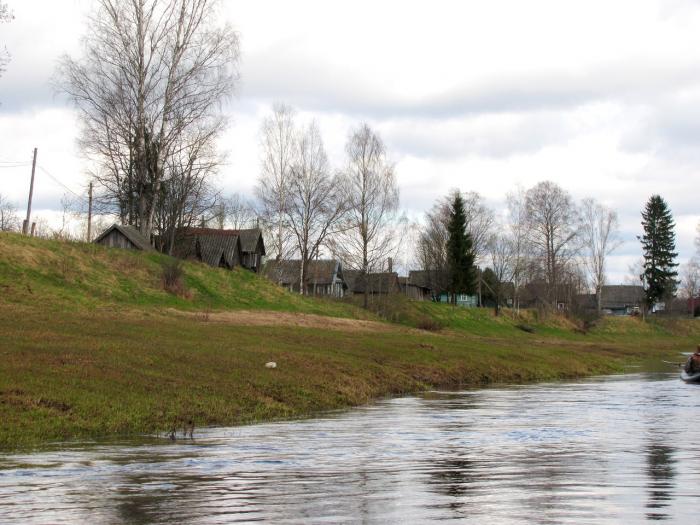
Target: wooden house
[323, 277]
[219, 251]
[125, 237]
[249, 254]
[383, 283]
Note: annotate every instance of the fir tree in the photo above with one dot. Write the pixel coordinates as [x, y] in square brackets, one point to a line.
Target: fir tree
[460, 251]
[659, 245]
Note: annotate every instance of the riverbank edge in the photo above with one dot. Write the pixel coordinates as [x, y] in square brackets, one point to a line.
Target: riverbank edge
[68, 377]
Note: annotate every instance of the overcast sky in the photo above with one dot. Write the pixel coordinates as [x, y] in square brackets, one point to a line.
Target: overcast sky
[600, 97]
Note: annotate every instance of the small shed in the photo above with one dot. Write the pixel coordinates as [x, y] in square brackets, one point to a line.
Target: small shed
[125, 237]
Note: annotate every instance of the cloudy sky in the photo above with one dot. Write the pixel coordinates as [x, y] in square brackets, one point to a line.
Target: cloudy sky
[601, 97]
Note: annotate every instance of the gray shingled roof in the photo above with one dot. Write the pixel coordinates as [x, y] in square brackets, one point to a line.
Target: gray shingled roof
[319, 272]
[378, 282]
[249, 238]
[622, 295]
[131, 233]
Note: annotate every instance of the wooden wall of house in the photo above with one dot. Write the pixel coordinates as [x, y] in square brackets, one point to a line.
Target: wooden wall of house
[115, 239]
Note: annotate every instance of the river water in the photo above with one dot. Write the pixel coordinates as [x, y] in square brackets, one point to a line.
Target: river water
[620, 449]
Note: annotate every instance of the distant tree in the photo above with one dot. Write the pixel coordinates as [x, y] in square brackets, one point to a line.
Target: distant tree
[552, 230]
[315, 205]
[658, 246]
[480, 222]
[9, 220]
[518, 240]
[370, 234]
[503, 250]
[690, 282]
[460, 251]
[278, 144]
[235, 212]
[600, 237]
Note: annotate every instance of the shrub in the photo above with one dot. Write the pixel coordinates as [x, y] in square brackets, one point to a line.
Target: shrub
[429, 323]
[173, 277]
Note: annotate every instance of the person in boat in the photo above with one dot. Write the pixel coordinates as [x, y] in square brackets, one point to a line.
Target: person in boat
[692, 365]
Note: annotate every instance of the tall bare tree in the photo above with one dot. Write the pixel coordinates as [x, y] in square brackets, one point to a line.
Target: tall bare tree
[599, 231]
[552, 227]
[517, 227]
[315, 205]
[369, 183]
[9, 220]
[235, 212]
[432, 246]
[690, 282]
[502, 248]
[278, 143]
[480, 223]
[150, 70]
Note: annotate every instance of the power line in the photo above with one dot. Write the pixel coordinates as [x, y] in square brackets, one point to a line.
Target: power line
[61, 184]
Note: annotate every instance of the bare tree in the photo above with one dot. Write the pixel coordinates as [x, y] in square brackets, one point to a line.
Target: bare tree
[151, 69]
[370, 235]
[278, 142]
[552, 228]
[238, 212]
[315, 204]
[599, 230]
[502, 249]
[517, 226]
[690, 282]
[9, 220]
[480, 222]
[432, 246]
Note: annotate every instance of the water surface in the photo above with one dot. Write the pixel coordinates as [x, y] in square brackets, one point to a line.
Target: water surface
[620, 449]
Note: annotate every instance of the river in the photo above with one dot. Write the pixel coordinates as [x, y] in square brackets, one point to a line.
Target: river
[619, 449]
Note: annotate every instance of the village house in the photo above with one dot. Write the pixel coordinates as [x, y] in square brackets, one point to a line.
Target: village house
[209, 245]
[324, 277]
[219, 251]
[383, 283]
[125, 237]
[415, 288]
[616, 300]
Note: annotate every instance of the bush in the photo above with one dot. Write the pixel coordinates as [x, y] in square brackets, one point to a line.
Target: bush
[429, 323]
[173, 277]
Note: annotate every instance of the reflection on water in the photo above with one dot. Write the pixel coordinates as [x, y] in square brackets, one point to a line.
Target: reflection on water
[609, 450]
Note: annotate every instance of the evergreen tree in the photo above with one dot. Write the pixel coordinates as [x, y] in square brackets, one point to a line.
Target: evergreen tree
[460, 251]
[659, 245]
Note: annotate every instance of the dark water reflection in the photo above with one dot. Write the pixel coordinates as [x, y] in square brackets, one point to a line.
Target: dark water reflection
[608, 450]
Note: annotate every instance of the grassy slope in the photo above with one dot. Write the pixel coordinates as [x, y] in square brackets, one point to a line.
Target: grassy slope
[88, 347]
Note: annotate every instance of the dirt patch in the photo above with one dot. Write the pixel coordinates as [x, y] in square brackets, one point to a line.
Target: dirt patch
[268, 318]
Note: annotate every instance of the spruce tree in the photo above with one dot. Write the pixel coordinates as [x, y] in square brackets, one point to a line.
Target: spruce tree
[460, 251]
[658, 245]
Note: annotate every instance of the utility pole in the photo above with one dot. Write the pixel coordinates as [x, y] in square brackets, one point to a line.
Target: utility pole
[89, 228]
[25, 226]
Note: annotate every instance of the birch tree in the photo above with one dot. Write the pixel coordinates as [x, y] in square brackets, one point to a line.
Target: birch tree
[278, 144]
[9, 220]
[369, 183]
[552, 230]
[502, 249]
[150, 69]
[315, 206]
[600, 237]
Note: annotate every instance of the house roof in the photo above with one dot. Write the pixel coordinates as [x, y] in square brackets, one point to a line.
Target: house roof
[212, 248]
[421, 278]
[622, 295]
[322, 271]
[131, 233]
[377, 282]
[249, 238]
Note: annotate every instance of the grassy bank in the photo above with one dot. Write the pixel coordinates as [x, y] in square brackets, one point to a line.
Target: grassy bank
[98, 348]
